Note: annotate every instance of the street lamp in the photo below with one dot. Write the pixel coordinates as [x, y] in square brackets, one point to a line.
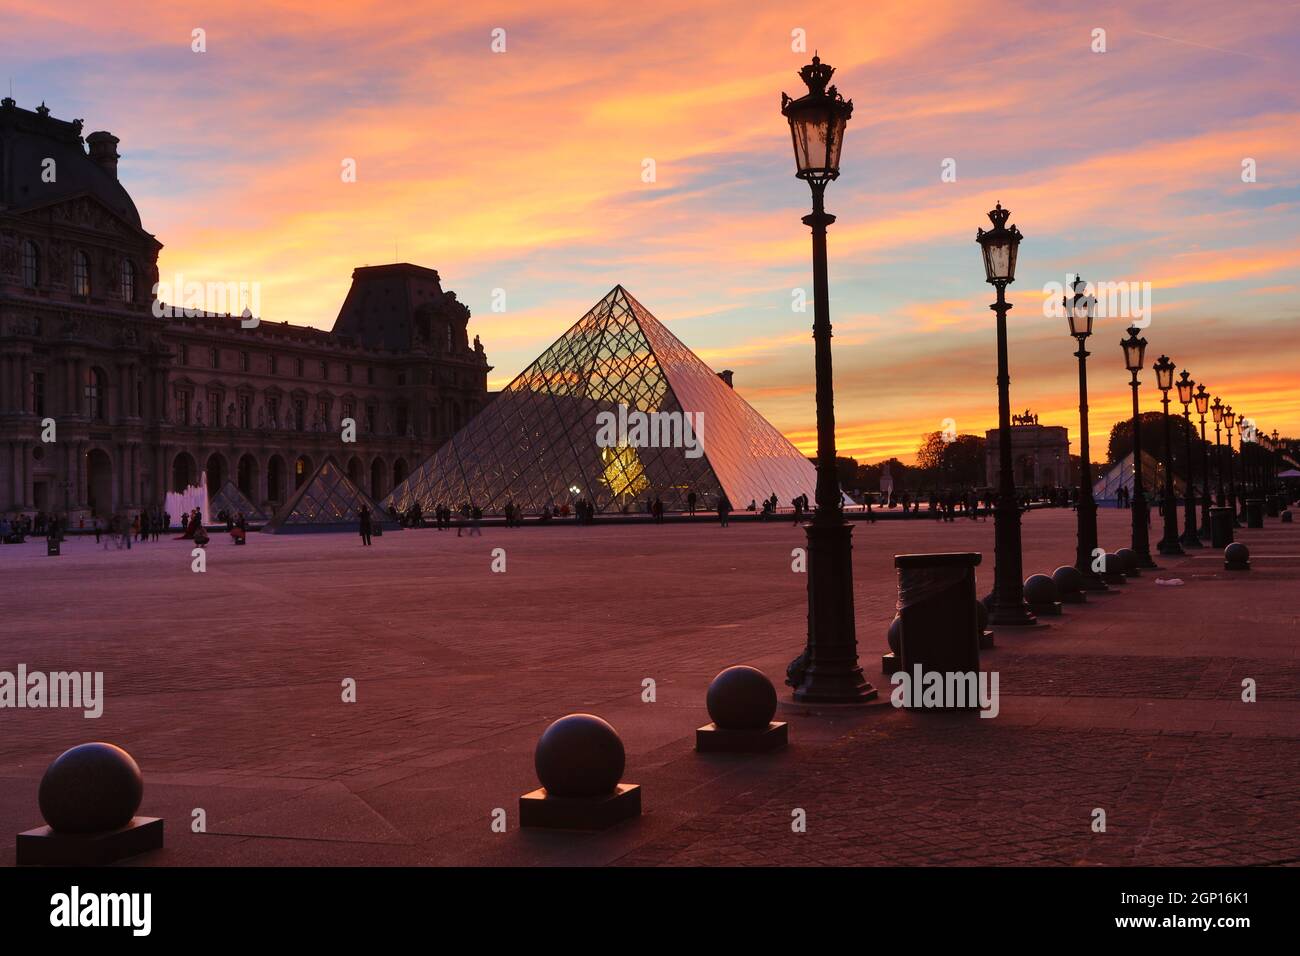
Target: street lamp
[999, 246]
[1202, 399]
[1216, 410]
[828, 670]
[1230, 420]
[1080, 311]
[1164, 370]
[1134, 351]
[1274, 463]
[1242, 425]
[1190, 538]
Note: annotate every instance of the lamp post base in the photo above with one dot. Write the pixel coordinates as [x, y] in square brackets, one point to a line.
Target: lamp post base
[1169, 548]
[827, 691]
[1190, 539]
[1091, 581]
[1011, 614]
[832, 674]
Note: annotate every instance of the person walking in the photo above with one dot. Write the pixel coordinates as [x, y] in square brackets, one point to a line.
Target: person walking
[365, 526]
[724, 509]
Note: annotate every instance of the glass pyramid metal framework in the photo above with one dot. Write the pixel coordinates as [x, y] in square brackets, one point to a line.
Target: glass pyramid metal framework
[233, 501]
[327, 501]
[535, 444]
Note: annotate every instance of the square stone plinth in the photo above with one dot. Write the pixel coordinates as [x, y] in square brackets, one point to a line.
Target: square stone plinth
[539, 809]
[712, 739]
[44, 847]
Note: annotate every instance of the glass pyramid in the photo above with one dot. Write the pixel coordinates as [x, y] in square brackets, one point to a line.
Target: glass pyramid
[233, 501]
[535, 444]
[327, 501]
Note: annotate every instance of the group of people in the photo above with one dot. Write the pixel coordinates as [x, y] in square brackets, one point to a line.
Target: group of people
[20, 526]
[769, 506]
[15, 530]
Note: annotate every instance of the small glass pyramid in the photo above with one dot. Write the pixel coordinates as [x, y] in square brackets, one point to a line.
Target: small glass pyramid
[327, 501]
[536, 443]
[234, 502]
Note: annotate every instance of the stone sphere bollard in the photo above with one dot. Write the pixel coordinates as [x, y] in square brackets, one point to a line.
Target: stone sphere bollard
[1128, 561]
[1236, 557]
[92, 788]
[1069, 583]
[1041, 595]
[895, 635]
[579, 756]
[1286, 516]
[741, 698]
[1040, 589]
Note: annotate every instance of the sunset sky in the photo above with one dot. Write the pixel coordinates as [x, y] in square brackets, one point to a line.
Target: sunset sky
[522, 171]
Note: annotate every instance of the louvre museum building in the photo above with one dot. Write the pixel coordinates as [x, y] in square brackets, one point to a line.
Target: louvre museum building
[141, 405]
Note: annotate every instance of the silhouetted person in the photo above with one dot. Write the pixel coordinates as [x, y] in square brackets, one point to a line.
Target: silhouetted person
[724, 509]
[365, 526]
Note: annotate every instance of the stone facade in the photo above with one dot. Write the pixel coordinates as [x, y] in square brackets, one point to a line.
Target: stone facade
[138, 403]
[1040, 454]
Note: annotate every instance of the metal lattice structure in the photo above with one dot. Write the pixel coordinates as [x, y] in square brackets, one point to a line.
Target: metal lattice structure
[233, 501]
[535, 444]
[327, 501]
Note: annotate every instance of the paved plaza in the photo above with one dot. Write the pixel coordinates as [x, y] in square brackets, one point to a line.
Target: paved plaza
[226, 687]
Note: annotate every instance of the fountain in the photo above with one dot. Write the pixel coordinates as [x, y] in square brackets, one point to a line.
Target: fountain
[178, 504]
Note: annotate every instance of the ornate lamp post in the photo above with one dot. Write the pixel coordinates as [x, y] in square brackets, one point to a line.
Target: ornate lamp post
[1274, 459]
[1216, 410]
[1008, 606]
[829, 672]
[1080, 311]
[1164, 370]
[1202, 399]
[1190, 539]
[1134, 351]
[1229, 420]
[1243, 426]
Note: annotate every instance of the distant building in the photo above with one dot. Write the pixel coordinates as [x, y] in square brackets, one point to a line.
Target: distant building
[1040, 454]
[143, 404]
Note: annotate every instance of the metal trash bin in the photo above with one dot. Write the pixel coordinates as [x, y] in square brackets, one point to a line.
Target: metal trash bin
[1220, 527]
[940, 629]
[1254, 513]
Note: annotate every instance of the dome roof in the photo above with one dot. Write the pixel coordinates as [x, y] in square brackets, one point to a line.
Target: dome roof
[28, 138]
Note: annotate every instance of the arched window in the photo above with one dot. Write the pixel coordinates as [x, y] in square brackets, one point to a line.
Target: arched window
[95, 394]
[128, 280]
[80, 273]
[31, 264]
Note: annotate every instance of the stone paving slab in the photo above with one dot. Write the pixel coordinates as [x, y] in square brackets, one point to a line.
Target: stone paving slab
[226, 687]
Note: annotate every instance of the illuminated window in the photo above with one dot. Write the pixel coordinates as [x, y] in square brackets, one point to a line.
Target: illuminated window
[80, 273]
[94, 394]
[31, 264]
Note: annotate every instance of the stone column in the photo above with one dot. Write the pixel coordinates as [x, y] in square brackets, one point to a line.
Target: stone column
[25, 449]
[83, 489]
[11, 480]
